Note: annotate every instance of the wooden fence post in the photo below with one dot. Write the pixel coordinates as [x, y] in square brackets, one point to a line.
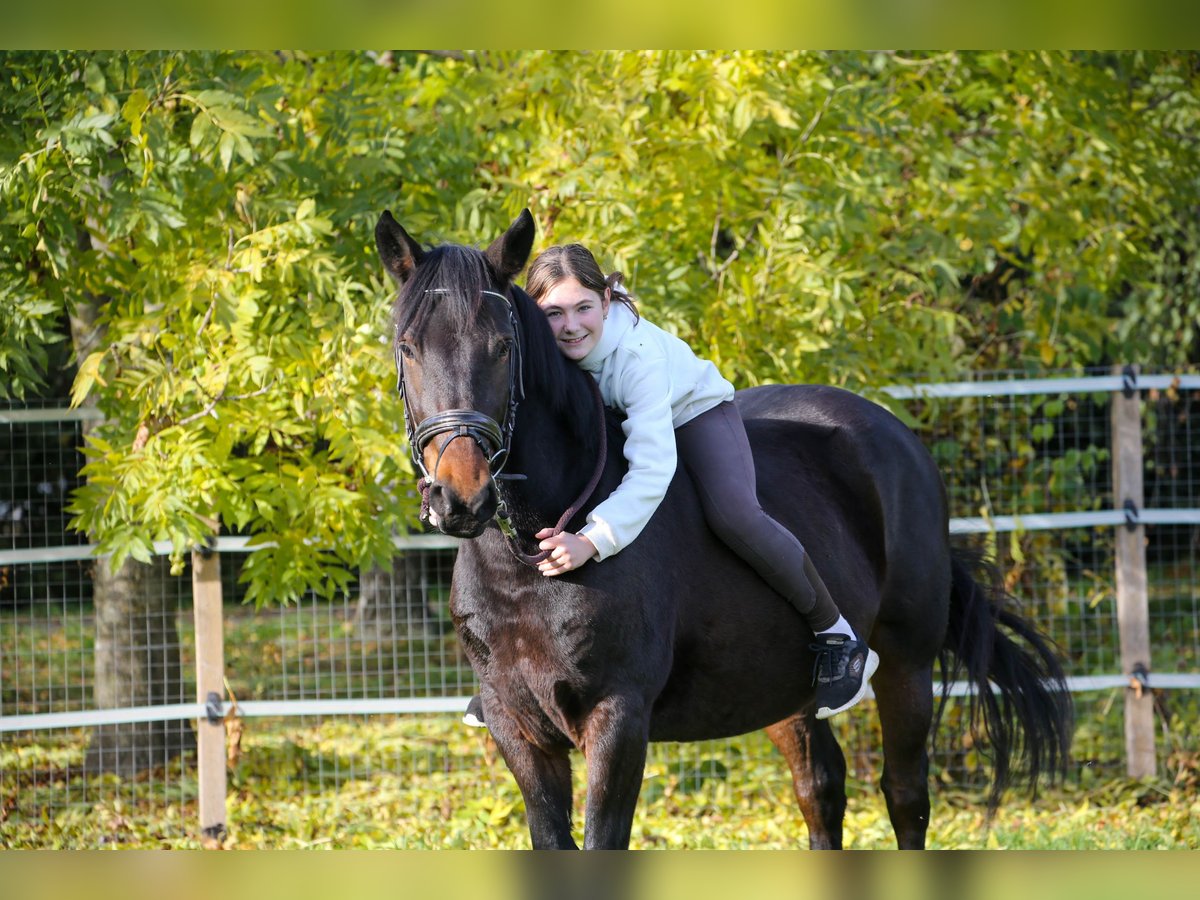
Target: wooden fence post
[210, 691]
[1133, 614]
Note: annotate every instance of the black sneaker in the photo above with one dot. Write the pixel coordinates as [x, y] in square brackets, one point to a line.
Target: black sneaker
[843, 668]
[474, 714]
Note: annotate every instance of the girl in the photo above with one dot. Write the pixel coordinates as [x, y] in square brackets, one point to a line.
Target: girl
[678, 406]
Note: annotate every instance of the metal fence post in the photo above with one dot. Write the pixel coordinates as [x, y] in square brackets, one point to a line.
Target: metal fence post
[1133, 614]
[210, 691]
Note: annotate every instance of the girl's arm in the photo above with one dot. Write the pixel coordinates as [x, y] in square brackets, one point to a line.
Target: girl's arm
[650, 450]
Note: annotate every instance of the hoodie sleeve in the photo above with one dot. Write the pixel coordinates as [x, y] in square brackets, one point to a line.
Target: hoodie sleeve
[649, 448]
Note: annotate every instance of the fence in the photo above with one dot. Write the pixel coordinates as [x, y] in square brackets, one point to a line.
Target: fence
[1084, 489]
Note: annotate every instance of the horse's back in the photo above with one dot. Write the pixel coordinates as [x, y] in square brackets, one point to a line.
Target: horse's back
[824, 410]
[865, 473]
[850, 440]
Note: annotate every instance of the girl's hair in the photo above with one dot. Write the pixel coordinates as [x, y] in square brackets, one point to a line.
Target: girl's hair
[574, 261]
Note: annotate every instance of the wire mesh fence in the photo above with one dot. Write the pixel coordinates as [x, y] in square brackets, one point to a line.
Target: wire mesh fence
[390, 636]
[39, 468]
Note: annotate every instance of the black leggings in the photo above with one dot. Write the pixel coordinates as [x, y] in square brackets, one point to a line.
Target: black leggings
[714, 449]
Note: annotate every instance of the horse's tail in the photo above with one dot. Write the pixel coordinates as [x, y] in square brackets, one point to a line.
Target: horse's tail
[1018, 700]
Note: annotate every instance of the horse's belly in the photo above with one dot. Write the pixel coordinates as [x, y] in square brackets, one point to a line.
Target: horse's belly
[741, 672]
[687, 728]
[680, 723]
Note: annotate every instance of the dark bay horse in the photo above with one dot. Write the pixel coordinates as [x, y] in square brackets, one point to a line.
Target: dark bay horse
[675, 638]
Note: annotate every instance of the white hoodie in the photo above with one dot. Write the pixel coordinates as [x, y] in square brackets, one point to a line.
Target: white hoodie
[660, 384]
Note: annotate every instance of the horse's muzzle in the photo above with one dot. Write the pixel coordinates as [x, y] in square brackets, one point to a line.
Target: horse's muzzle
[458, 517]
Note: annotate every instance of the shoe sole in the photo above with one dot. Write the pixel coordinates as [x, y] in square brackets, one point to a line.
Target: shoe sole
[872, 664]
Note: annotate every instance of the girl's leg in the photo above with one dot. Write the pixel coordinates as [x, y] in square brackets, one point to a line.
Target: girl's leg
[713, 447]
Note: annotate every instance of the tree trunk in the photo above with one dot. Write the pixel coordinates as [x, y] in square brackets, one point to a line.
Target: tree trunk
[137, 664]
[136, 655]
[395, 604]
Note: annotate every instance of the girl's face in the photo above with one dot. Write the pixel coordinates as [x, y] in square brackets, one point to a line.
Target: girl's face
[576, 316]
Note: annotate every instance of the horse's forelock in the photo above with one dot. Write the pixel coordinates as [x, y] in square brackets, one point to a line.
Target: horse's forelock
[451, 279]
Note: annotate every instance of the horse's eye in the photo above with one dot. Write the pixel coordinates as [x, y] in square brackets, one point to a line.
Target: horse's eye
[407, 350]
[505, 349]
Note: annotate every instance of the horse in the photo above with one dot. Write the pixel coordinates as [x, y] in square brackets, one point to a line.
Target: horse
[675, 638]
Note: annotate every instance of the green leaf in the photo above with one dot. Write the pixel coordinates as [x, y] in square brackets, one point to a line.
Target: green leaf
[202, 127]
[87, 376]
[225, 148]
[133, 109]
[93, 77]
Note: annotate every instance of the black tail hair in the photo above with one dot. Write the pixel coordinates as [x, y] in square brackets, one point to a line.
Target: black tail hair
[1030, 720]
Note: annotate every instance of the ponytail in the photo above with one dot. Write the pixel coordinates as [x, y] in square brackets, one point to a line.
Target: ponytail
[615, 284]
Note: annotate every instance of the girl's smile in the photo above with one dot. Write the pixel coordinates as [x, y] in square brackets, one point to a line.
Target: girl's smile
[576, 315]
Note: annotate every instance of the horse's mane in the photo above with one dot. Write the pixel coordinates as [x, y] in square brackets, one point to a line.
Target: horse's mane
[561, 384]
[452, 278]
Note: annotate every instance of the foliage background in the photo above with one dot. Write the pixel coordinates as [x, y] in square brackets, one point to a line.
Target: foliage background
[850, 218]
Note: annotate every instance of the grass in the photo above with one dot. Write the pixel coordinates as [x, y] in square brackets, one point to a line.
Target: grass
[406, 782]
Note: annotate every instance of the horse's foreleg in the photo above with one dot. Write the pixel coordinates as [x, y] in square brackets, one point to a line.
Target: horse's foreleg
[905, 701]
[544, 777]
[616, 735]
[818, 776]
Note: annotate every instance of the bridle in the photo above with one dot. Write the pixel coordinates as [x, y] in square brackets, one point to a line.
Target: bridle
[494, 438]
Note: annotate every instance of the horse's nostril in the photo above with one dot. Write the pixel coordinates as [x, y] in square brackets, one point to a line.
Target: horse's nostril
[455, 514]
[485, 503]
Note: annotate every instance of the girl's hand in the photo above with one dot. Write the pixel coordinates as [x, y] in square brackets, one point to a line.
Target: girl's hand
[567, 551]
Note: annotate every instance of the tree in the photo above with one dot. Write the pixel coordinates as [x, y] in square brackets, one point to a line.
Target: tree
[242, 373]
[97, 237]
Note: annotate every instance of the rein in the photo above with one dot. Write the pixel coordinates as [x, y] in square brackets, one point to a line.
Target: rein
[493, 438]
[502, 519]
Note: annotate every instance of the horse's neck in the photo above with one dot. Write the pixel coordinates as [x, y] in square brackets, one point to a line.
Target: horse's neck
[556, 465]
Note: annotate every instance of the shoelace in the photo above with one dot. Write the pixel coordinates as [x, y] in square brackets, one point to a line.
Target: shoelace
[831, 658]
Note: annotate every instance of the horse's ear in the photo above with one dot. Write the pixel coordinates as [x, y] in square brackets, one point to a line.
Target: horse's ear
[509, 252]
[400, 253]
